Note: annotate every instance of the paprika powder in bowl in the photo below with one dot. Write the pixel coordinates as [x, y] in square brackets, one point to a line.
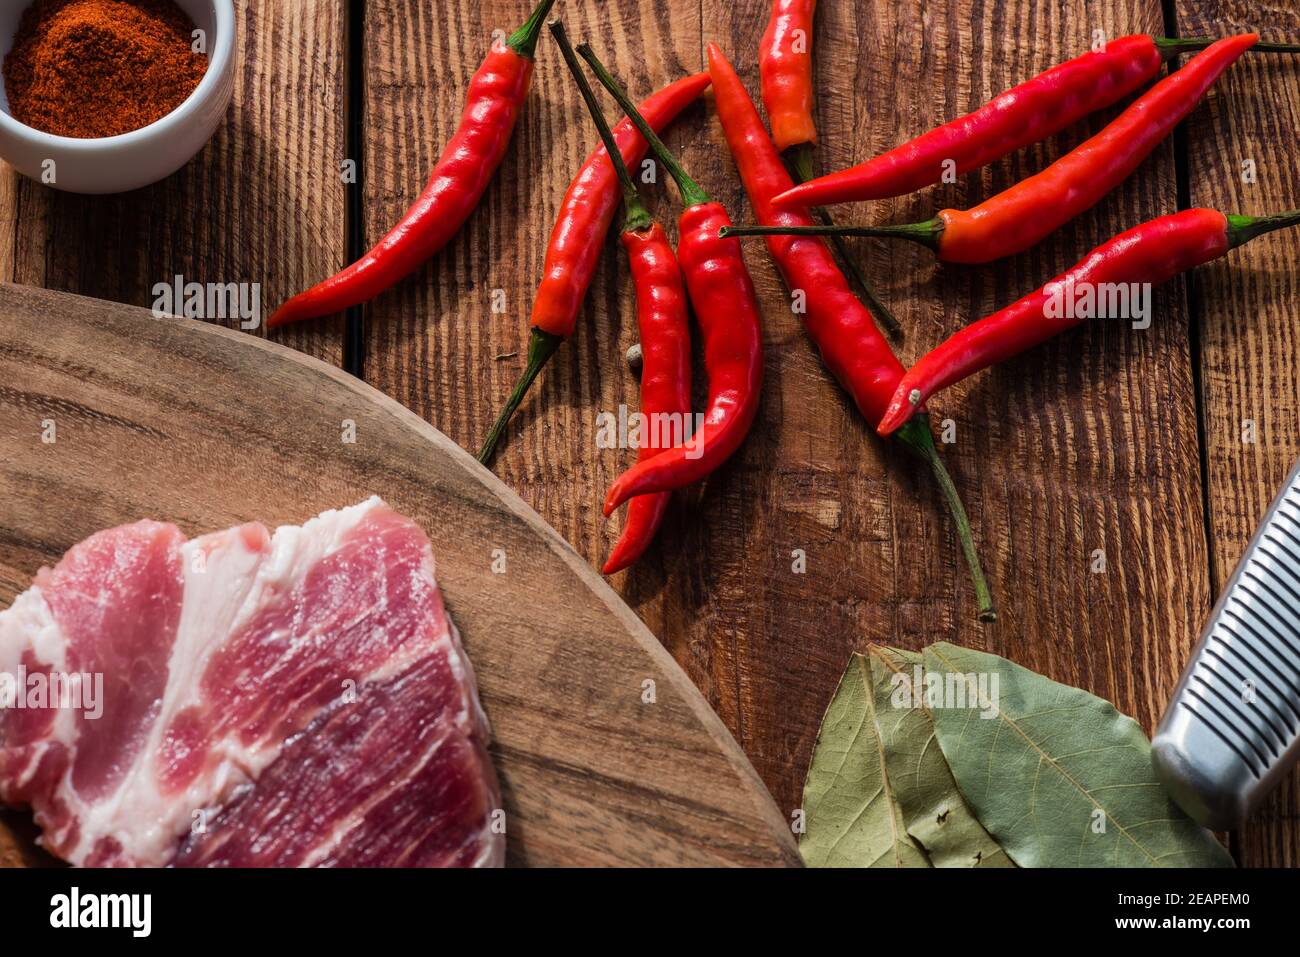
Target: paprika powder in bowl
[102, 135]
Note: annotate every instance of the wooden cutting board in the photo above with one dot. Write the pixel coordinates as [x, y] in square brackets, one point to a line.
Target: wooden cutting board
[606, 752]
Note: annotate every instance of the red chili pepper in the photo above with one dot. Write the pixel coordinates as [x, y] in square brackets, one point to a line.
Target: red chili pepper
[1153, 252]
[726, 308]
[1016, 218]
[1028, 113]
[492, 104]
[579, 235]
[785, 68]
[843, 329]
[850, 344]
[786, 74]
[661, 320]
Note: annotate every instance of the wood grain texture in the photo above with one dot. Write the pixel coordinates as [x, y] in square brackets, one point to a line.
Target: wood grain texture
[262, 203]
[9, 187]
[592, 771]
[1249, 321]
[1088, 443]
[18, 848]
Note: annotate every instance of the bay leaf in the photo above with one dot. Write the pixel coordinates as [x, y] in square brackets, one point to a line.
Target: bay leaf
[933, 810]
[1057, 776]
[851, 819]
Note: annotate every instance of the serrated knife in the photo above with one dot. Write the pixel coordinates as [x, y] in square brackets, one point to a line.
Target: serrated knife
[1232, 730]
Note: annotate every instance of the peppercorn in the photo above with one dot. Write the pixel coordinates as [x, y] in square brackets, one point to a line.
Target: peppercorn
[93, 68]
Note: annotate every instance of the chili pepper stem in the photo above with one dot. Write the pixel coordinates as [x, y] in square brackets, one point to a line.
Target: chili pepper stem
[918, 438]
[1170, 47]
[636, 217]
[541, 346]
[1242, 229]
[524, 40]
[692, 193]
[926, 233]
[800, 160]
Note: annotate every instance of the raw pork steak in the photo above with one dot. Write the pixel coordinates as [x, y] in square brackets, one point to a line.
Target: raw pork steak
[296, 699]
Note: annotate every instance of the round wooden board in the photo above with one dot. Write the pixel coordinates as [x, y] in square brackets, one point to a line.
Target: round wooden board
[606, 752]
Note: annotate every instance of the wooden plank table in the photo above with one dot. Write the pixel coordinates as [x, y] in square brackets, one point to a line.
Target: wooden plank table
[1111, 439]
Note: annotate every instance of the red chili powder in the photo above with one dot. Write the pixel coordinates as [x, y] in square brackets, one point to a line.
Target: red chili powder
[91, 68]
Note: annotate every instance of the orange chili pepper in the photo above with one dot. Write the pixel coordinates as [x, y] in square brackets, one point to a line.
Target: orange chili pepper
[1019, 217]
[1028, 113]
[786, 71]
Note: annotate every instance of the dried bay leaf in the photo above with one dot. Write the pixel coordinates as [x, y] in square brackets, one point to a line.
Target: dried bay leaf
[852, 819]
[932, 806]
[1057, 776]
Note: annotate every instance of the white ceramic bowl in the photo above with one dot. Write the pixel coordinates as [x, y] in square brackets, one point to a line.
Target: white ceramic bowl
[115, 164]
